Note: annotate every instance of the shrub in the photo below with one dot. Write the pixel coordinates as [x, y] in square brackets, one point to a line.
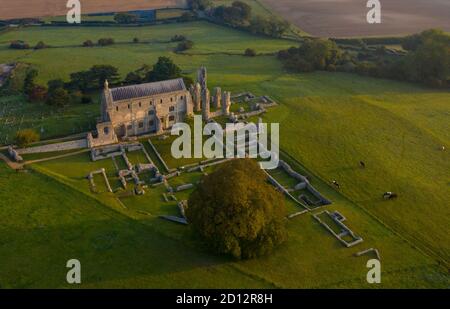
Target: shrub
[58, 97]
[136, 40]
[40, 45]
[37, 93]
[237, 212]
[54, 84]
[85, 99]
[25, 137]
[19, 45]
[185, 45]
[76, 96]
[177, 38]
[187, 16]
[126, 18]
[105, 41]
[88, 43]
[28, 82]
[250, 52]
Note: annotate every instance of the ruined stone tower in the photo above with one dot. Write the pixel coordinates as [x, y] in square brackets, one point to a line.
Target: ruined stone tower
[202, 77]
[226, 102]
[197, 96]
[205, 104]
[217, 97]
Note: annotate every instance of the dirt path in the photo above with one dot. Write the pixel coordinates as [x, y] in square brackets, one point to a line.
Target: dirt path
[347, 18]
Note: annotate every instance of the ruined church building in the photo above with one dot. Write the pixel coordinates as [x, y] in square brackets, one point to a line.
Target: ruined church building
[152, 108]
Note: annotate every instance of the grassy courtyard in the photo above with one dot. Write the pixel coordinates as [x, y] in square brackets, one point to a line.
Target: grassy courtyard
[329, 122]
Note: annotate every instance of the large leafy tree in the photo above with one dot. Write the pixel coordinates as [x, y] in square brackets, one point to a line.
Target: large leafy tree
[429, 61]
[59, 97]
[94, 78]
[313, 54]
[164, 69]
[237, 212]
[100, 73]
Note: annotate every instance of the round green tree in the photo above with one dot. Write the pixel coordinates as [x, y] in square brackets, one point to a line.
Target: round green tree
[237, 212]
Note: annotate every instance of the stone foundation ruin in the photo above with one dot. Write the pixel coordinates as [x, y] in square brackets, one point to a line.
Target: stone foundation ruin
[131, 173]
[90, 177]
[344, 230]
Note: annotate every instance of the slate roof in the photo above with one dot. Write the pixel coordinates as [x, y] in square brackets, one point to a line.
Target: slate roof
[148, 89]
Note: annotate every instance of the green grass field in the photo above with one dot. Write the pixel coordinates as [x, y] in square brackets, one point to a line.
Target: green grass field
[329, 122]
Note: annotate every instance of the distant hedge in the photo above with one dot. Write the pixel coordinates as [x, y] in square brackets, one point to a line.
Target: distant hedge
[371, 41]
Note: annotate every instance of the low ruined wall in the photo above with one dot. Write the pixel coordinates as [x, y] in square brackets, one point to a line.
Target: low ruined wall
[77, 144]
[13, 154]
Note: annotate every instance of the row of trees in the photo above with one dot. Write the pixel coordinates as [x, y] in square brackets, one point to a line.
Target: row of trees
[427, 60]
[313, 54]
[240, 15]
[56, 93]
[126, 18]
[18, 44]
[163, 69]
[100, 42]
[59, 93]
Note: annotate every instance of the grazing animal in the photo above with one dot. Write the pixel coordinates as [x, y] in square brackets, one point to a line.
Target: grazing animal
[336, 184]
[362, 164]
[389, 195]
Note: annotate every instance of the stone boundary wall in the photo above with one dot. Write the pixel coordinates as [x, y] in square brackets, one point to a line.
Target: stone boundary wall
[201, 167]
[77, 144]
[100, 171]
[303, 183]
[375, 251]
[274, 182]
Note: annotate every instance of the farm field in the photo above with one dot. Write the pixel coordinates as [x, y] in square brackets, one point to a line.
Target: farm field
[213, 44]
[23, 8]
[338, 18]
[328, 123]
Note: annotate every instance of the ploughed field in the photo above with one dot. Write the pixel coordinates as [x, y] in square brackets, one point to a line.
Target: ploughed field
[347, 18]
[328, 122]
[24, 8]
